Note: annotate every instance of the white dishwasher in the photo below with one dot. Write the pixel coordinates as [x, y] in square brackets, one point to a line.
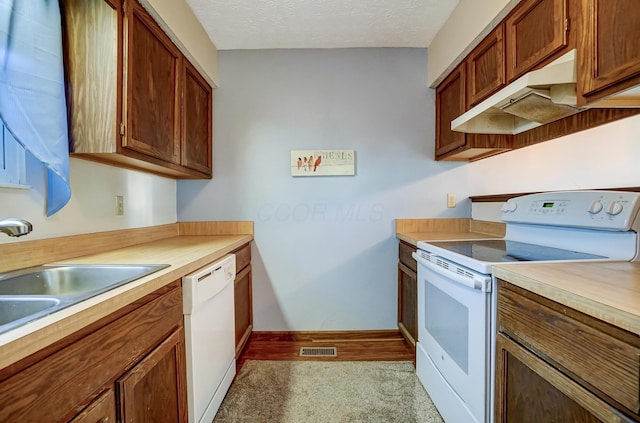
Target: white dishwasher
[210, 336]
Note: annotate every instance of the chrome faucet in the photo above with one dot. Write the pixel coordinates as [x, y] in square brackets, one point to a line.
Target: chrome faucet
[13, 226]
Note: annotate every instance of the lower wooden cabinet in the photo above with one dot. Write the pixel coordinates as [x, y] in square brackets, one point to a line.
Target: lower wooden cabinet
[101, 410]
[556, 364]
[127, 367]
[153, 391]
[407, 294]
[243, 298]
[533, 391]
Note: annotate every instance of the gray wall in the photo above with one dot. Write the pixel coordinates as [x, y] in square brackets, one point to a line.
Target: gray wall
[325, 252]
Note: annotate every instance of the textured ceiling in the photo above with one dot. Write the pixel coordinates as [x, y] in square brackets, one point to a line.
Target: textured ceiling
[264, 24]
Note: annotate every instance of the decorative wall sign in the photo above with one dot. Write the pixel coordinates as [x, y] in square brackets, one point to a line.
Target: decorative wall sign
[323, 162]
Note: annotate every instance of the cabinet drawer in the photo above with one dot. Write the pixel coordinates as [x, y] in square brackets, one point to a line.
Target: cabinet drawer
[566, 337]
[404, 253]
[243, 257]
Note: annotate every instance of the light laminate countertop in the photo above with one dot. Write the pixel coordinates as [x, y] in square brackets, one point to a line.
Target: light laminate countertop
[184, 254]
[413, 237]
[609, 291]
[413, 230]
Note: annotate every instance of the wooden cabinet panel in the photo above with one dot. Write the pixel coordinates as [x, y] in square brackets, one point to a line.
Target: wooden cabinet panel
[101, 410]
[528, 390]
[534, 31]
[407, 294]
[154, 390]
[486, 67]
[59, 386]
[243, 308]
[450, 103]
[404, 254]
[609, 46]
[601, 360]
[93, 80]
[243, 257]
[153, 85]
[196, 121]
[408, 304]
[554, 363]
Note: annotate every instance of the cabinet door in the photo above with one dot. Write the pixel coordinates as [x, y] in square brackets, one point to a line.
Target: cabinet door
[536, 30]
[450, 103]
[611, 46]
[154, 67]
[528, 390]
[101, 410]
[243, 308]
[154, 391]
[93, 73]
[408, 303]
[486, 67]
[196, 121]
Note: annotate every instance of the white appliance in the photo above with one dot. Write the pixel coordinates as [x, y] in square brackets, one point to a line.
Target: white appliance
[456, 292]
[210, 336]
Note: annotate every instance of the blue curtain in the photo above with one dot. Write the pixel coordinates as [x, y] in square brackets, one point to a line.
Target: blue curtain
[32, 97]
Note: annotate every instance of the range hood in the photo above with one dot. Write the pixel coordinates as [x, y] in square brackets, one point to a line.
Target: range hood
[538, 97]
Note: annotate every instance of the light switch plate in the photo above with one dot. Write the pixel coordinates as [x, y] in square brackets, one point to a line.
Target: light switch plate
[451, 201]
[119, 205]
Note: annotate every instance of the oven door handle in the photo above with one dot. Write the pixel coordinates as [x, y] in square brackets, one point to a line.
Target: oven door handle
[480, 283]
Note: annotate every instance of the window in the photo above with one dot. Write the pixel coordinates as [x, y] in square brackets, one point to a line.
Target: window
[12, 160]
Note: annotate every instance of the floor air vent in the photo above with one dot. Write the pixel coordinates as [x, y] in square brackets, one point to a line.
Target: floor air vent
[318, 352]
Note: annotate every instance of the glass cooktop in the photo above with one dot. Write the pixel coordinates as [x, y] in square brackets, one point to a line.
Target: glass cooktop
[500, 251]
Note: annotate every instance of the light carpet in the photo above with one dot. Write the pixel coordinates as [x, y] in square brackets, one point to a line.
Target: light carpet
[320, 391]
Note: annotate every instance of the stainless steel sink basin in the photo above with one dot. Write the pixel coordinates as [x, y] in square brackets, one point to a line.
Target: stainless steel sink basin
[29, 294]
[14, 309]
[72, 280]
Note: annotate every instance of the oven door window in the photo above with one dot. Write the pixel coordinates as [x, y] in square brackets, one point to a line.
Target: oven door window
[447, 321]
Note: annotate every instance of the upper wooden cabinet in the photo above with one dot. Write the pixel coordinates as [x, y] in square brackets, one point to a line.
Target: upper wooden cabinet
[535, 30]
[153, 90]
[610, 47]
[486, 67]
[196, 123]
[450, 103]
[134, 100]
[458, 146]
[606, 36]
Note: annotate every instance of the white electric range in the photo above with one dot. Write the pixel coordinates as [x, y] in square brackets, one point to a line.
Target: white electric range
[456, 295]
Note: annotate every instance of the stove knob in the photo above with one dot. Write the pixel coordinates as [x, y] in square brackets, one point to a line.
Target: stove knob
[510, 206]
[615, 207]
[595, 207]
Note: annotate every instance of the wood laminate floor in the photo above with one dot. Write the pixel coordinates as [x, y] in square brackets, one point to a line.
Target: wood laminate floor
[385, 345]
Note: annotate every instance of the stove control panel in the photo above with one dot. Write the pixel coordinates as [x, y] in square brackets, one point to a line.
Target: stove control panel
[604, 210]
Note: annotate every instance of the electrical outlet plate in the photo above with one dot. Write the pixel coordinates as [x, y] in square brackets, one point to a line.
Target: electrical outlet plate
[451, 200]
[119, 205]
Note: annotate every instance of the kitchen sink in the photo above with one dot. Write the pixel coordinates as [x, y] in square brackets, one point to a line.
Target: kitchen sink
[15, 309]
[28, 294]
[72, 280]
